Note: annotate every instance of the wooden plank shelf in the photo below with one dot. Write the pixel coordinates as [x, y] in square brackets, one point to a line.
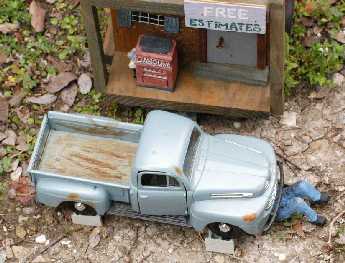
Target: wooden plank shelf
[193, 93]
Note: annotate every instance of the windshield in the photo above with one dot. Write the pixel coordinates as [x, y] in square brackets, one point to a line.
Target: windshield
[191, 153]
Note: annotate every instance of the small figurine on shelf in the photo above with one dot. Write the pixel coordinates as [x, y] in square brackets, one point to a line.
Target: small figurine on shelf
[132, 55]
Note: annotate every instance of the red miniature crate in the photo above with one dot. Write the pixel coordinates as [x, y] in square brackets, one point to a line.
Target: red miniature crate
[156, 62]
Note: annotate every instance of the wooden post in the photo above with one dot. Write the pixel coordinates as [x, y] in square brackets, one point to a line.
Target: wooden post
[277, 55]
[89, 13]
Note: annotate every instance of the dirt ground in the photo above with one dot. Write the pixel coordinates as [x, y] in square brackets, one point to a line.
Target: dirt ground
[313, 148]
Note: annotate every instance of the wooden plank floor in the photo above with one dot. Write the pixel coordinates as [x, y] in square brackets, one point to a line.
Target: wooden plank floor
[200, 94]
[89, 157]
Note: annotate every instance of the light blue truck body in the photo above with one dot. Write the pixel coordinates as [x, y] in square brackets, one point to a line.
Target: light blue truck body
[167, 170]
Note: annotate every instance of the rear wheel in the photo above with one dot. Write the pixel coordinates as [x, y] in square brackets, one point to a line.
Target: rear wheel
[77, 207]
[83, 209]
[223, 230]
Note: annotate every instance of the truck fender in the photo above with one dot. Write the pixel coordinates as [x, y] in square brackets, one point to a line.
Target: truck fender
[53, 192]
[204, 213]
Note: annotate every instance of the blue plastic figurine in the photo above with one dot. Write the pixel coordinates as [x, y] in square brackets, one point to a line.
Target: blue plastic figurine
[292, 202]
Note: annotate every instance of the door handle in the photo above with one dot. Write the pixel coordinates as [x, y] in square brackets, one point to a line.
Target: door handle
[143, 196]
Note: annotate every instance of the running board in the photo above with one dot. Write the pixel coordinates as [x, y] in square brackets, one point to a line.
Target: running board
[120, 209]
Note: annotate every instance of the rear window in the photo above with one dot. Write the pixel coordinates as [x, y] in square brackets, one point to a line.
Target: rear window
[191, 153]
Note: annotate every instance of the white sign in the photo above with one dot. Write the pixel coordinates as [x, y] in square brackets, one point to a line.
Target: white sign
[153, 62]
[225, 17]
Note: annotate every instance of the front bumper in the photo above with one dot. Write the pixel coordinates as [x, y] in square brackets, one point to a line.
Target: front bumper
[273, 213]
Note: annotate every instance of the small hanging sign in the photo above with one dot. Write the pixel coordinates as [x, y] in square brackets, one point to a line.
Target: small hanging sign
[225, 17]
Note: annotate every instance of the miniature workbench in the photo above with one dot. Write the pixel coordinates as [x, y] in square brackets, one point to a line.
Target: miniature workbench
[194, 93]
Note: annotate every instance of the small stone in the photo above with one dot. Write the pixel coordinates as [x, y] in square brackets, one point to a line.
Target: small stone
[237, 125]
[8, 27]
[340, 240]
[41, 239]
[11, 194]
[289, 119]
[69, 94]
[60, 81]
[40, 259]
[338, 79]
[219, 259]
[38, 15]
[84, 83]
[280, 256]
[2, 255]
[22, 219]
[28, 210]
[42, 100]
[20, 252]
[8, 242]
[20, 232]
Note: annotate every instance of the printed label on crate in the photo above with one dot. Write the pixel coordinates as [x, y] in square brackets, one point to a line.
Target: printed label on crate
[154, 62]
[225, 17]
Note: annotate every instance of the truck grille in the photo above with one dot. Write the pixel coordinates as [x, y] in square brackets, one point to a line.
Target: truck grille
[272, 198]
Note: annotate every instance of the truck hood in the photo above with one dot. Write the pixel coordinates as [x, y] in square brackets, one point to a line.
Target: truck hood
[231, 170]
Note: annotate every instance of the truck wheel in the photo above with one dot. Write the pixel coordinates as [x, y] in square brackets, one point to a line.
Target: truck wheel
[83, 209]
[223, 230]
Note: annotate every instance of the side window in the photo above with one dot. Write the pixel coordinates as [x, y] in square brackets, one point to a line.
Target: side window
[155, 180]
[173, 182]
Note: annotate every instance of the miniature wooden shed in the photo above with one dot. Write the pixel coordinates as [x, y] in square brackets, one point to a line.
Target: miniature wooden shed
[231, 53]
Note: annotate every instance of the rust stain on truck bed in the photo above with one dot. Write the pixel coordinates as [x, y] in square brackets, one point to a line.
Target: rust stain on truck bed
[87, 156]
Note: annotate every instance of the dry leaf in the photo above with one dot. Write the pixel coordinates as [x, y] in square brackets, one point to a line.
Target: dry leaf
[340, 37]
[15, 175]
[8, 28]
[37, 16]
[309, 7]
[69, 94]
[11, 138]
[308, 41]
[3, 58]
[17, 98]
[84, 83]
[298, 228]
[22, 145]
[3, 109]
[60, 81]
[3, 136]
[43, 100]
[23, 114]
[94, 238]
[59, 65]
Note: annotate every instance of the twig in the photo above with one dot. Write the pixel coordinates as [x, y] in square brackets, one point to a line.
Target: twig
[35, 254]
[282, 156]
[331, 227]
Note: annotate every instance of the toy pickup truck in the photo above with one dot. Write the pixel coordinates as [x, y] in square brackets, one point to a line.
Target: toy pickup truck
[167, 170]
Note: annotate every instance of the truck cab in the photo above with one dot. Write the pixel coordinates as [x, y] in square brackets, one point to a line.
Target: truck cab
[179, 170]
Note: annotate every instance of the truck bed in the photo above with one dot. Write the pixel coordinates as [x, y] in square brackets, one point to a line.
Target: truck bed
[88, 156]
[89, 148]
